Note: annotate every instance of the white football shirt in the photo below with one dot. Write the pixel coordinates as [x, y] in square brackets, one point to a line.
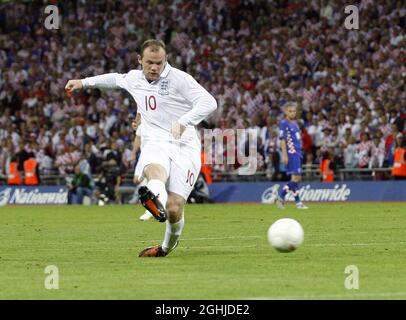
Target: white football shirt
[175, 97]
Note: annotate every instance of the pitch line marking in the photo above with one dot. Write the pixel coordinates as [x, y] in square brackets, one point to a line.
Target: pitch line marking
[354, 244]
[209, 238]
[326, 296]
[308, 245]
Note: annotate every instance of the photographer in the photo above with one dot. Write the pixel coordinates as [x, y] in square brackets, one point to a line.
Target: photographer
[200, 192]
[79, 187]
[108, 182]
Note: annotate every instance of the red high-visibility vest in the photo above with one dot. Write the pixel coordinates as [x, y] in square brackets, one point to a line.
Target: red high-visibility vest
[206, 169]
[399, 163]
[14, 177]
[30, 171]
[327, 175]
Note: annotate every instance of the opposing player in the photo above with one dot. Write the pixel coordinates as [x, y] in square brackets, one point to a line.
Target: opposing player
[291, 145]
[171, 104]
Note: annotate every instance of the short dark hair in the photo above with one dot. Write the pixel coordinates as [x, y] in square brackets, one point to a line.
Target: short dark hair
[154, 44]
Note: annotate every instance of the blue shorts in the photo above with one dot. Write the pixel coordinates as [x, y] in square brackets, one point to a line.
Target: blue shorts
[294, 167]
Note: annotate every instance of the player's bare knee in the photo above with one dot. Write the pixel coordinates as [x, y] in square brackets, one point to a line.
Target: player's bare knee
[174, 211]
[174, 208]
[155, 171]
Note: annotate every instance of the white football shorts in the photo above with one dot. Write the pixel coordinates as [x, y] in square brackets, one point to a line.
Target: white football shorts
[181, 162]
[138, 168]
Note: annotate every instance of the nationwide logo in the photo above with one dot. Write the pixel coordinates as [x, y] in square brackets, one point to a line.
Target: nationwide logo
[5, 196]
[306, 193]
[32, 196]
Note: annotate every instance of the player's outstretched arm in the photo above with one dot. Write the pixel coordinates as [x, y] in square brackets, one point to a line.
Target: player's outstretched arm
[284, 152]
[282, 138]
[104, 81]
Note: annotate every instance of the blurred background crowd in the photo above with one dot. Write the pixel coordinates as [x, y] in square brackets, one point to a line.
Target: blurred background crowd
[253, 56]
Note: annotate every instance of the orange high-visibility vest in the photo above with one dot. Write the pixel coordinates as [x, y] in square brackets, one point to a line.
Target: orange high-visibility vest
[327, 175]
[14, 177]
[206, 169]
[30, 172]
[399, 163]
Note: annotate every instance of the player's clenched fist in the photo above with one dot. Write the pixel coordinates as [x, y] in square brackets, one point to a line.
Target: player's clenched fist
[73, 85]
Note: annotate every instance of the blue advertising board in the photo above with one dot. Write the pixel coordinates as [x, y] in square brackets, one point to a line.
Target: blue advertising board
[254, 192]
[33, 195]
[311, 192]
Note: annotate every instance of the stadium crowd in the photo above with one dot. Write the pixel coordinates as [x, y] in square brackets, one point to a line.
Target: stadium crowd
[253, 56]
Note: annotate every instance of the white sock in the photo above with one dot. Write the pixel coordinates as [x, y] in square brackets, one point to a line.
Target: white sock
[146, 212]
[172, 233]
[158, 188]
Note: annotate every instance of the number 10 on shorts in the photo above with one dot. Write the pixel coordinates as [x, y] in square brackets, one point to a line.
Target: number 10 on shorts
[190, 178]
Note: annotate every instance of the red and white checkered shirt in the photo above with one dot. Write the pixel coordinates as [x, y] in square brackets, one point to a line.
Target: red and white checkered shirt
[363, 150]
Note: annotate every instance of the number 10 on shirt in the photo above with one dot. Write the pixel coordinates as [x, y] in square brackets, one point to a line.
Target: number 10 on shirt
[150, 103]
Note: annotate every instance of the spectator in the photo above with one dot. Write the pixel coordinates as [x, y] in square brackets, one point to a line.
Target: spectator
[308, 166]
[45, 161]
[377, 153]
[350, 154]
[306, 140]
[364, 150]
[23, 155]
[67, 159]
[114, 154]
[353, 78]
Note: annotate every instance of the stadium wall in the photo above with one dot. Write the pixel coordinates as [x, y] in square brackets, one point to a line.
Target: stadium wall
[254, 192]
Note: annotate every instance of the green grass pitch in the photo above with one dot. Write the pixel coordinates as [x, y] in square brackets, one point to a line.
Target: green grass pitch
[223, 253]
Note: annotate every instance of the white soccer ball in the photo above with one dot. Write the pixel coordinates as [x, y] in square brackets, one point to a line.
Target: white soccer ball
[285, 235]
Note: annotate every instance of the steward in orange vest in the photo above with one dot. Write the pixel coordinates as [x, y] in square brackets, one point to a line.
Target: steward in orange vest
[14, 177]
[399, 163]
[327, 174]
[31, 172]
[206, 169]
